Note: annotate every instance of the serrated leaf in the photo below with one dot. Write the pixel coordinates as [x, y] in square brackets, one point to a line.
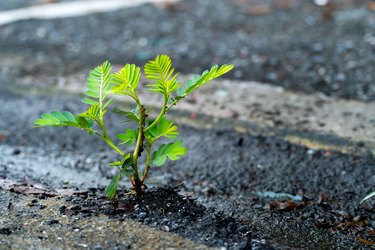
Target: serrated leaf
[130, 137]
[161, 72]
[112, 187]
[368, 196]
[173, 151]
[163, 128]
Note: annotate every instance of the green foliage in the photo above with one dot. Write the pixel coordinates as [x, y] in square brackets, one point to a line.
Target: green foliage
[173, 151]
[161, 72]
[126, 80]
[98, 84]
[368, 197]
[131, 115]
[65, 118]
[130, 137]
[163, 128]
[112, 187]
[200, 80]
[101, 83]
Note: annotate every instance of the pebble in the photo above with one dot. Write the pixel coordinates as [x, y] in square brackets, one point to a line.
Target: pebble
[53, 221]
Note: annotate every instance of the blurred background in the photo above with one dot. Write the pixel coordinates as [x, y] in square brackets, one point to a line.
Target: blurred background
[310, 46]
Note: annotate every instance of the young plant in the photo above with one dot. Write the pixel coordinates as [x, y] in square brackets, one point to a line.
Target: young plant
[102, 84]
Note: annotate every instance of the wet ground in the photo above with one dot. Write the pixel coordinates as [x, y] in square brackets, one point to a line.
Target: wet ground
[237, 187]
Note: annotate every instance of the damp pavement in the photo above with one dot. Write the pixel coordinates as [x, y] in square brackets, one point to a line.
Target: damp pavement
[282, 166]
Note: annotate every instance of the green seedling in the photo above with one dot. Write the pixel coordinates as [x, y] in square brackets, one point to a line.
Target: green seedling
[102, 84]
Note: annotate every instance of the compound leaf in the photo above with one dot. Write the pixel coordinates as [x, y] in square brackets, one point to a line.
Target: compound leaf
[112, 187]
[126, 79]
[200, 80]
[131, 115]
[163, 128]
[161, 72]
[98, 84]
[173, 151]
[56, 118]
[130, 137]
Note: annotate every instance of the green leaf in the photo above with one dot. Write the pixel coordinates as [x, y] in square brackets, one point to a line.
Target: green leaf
[198, 81]
[127, 166]
[172, 150]
[161, 72]
[89, 101]
[130, 137]
[126, 79]
[93, 112]
[107, 103]
[98, 84]
[112, 187]
[56, 118]
[122, 162]
[368, 196]
[84, 122]
[132, 115]
[115, 164]
[163, 128]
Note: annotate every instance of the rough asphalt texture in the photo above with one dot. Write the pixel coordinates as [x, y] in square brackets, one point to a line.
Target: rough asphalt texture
[221, 176]
[223, 169]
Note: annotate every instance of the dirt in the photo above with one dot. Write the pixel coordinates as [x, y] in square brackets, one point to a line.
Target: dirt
[40, 223]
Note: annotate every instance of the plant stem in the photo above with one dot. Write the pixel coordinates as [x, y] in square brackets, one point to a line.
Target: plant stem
[138, 146]
[106, 138]
[148, 159]
[162, 112]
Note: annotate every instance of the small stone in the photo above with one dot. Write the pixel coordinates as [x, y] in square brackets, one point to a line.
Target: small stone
[5, 230]
[34, 201]
[62, 209]
[41, 197]
[142, 215]
[16, 152]
[109, 211]
[53, 221]
[318, 47]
